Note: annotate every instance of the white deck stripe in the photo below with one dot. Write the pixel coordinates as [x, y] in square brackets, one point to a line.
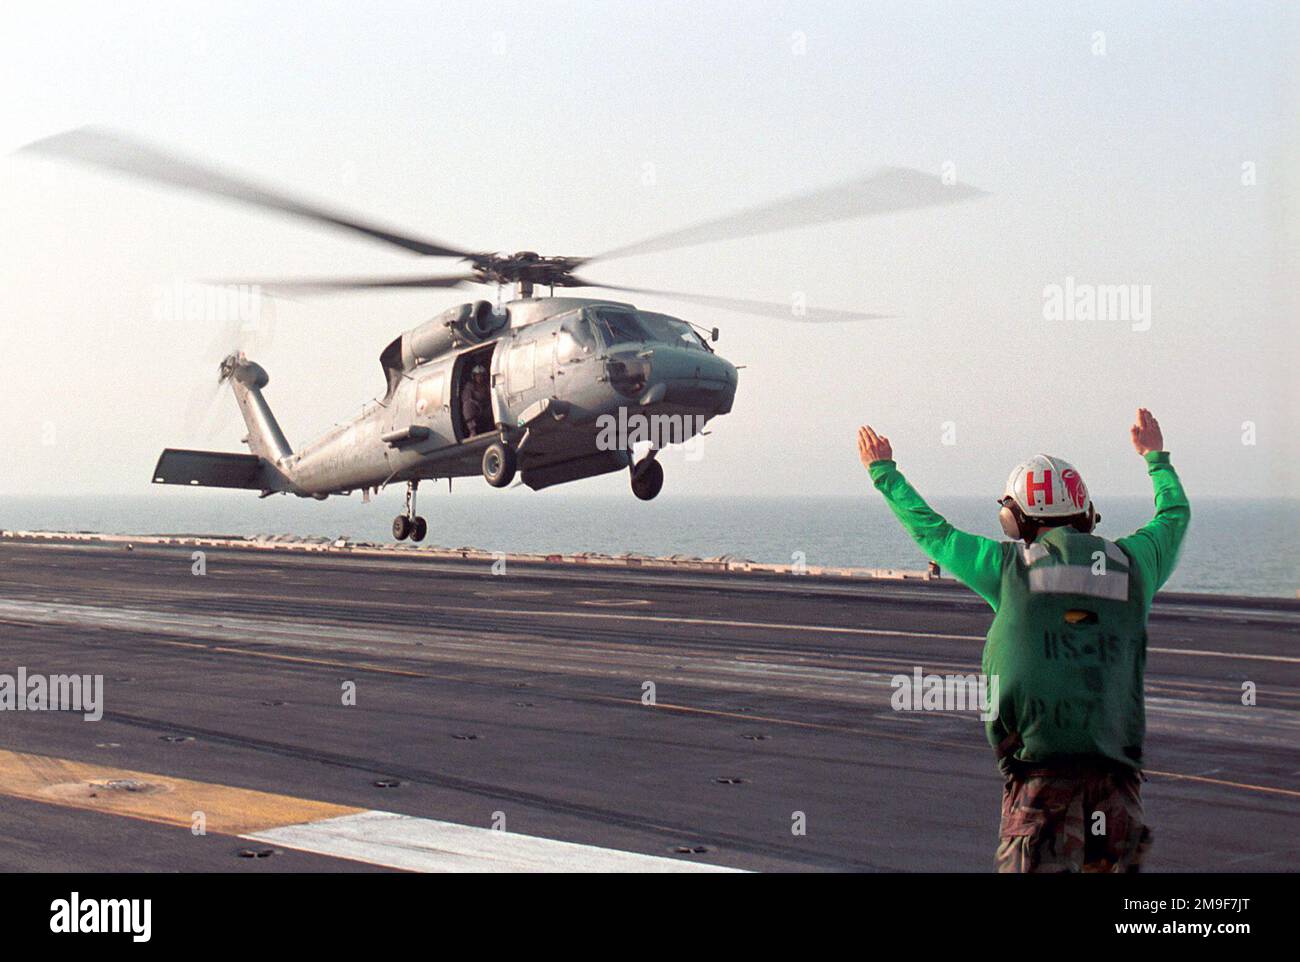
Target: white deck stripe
[1198, 653]
[121, 618]
[424, 845]
[720, 622]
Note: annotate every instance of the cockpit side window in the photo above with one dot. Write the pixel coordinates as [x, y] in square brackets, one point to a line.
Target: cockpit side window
[616, 325]
[575, 339]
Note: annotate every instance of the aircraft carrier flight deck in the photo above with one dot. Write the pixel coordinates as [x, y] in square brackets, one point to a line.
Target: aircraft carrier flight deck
[271, 708]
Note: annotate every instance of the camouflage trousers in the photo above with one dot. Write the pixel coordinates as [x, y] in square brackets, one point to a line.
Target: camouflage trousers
[1078, 818]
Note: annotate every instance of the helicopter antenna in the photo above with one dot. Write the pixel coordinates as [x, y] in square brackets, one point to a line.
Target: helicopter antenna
[707, 332]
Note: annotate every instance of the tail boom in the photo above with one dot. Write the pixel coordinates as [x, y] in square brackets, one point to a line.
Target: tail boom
[265, 439]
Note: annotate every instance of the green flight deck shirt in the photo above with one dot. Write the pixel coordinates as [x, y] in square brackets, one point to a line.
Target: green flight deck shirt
[1068, 639]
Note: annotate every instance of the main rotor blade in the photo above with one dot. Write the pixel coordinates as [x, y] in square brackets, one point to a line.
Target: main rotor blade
[118, 152]
[883, 192]
[786, 312]
[328, 285]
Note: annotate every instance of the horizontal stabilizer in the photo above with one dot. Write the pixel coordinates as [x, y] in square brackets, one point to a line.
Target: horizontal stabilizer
[211, 469]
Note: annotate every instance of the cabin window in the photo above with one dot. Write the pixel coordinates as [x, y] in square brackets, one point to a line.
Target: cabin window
[519, 369]
[428, 395]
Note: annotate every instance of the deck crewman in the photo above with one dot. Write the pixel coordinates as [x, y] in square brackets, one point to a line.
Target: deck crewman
[1068, 646]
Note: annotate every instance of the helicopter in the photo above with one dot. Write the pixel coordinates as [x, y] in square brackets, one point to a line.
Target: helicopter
[528, 388]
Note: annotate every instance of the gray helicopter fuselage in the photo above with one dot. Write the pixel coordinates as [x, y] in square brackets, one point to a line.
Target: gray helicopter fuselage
[562, 372]
[553, 390]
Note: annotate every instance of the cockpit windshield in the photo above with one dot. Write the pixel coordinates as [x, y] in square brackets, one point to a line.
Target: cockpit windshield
[671, 330]
[616, 325]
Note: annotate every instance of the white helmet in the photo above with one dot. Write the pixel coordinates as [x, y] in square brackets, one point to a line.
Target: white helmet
[1045, 488]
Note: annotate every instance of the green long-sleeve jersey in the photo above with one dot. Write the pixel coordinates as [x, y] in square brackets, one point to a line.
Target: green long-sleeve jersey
[976, 561]
[1069, 685]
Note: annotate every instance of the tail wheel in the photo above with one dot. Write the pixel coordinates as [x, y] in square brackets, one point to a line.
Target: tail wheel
[498, 464]
[401, 527]
[419, 529]
[647, 480]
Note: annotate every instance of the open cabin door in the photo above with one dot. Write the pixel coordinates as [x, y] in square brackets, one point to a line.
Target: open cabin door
[460, 379]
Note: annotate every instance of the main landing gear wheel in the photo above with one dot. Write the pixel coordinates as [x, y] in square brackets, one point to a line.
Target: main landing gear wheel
[498, 464]
[409, 524]
[647, 479]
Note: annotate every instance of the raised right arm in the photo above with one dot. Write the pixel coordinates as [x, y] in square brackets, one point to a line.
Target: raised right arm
[1154, 547]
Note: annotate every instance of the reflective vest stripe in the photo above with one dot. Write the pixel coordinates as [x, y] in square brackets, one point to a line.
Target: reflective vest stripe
[1033, 552]
[1077, 580]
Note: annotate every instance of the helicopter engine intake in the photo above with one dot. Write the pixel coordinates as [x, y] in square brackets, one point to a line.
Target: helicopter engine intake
[456, 327]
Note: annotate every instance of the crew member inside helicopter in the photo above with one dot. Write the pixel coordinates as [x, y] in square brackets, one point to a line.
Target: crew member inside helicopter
[476, 402]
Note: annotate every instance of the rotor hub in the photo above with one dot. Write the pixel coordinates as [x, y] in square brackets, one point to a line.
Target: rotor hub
[526, 268]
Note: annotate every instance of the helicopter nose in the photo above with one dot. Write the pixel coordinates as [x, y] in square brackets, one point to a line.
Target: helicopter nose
[694, 380]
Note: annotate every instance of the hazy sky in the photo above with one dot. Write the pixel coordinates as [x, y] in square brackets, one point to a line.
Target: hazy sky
[1122, 144]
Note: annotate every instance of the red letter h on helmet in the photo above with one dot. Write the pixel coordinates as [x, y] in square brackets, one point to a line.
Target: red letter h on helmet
[1045, 486]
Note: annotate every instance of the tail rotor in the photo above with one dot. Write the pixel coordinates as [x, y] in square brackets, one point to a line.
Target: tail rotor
[205, 417]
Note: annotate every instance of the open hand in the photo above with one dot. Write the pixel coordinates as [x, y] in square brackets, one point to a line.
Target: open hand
[1146, 433]
[872, 447]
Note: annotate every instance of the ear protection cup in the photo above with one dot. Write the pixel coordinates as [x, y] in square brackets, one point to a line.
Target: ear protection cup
[1088, 521]
[1015, 524]
[1020, 528]
[1010, 521]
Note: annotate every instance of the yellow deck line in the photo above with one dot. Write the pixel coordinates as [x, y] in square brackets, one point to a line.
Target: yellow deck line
[1246, 786]
[155, 798]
